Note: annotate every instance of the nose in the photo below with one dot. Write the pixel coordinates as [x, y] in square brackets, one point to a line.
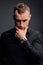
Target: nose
[21, 23]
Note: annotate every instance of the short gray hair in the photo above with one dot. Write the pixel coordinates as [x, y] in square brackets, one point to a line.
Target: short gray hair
[21, 8]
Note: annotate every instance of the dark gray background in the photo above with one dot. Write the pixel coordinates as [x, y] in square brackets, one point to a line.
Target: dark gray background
[6, 12]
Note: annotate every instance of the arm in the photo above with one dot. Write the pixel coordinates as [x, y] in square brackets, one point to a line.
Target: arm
[33, 44]
[35, 49]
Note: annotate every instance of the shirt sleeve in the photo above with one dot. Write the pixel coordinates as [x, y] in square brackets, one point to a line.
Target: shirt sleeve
[35, 50]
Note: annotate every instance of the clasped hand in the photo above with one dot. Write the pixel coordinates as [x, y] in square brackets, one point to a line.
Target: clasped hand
[21, 34]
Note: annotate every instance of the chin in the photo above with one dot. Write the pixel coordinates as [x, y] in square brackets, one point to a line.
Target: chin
[21, 28]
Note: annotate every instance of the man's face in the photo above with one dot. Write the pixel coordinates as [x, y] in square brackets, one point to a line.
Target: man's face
[22, 20]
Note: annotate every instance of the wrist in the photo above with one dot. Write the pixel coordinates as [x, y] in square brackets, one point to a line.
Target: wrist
[25, 39]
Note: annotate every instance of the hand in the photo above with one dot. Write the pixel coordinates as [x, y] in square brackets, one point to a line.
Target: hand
[21, 34]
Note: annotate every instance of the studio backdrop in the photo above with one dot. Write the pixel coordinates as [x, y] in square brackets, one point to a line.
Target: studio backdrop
[6, 14]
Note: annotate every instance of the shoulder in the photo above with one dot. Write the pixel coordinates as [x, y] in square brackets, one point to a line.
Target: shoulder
[34, 34]
[7, 33]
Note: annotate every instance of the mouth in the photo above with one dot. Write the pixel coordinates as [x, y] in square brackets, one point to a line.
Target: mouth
[22, 28]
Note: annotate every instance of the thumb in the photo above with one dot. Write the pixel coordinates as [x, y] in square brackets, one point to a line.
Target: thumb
[26, 29]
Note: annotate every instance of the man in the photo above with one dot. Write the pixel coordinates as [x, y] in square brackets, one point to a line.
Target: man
[21, 45]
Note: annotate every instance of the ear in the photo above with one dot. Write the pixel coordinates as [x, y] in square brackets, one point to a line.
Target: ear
[29, 17]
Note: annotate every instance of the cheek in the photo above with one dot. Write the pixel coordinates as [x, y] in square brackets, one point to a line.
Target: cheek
[27, 23]
[17, 24]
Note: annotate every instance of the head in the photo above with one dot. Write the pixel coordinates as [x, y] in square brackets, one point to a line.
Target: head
[22, 15]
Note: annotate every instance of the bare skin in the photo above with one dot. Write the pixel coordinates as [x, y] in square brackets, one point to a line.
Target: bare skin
[22, 22]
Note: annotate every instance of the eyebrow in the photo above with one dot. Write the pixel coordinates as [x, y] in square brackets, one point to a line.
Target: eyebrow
[25, 20]
[21, 20]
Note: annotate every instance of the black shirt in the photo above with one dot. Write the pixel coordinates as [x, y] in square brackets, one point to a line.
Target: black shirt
[15, 52]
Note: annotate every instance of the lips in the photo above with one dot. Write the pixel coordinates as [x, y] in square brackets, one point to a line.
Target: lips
[22, 28]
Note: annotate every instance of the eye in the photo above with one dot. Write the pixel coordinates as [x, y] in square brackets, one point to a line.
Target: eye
[17, 20]
[25, 20]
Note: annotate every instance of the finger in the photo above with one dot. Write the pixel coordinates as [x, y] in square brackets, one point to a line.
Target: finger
[17, 28]
[16, 34]
[26, 29]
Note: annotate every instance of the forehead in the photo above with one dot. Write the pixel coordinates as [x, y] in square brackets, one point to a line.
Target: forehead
[22, 16]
